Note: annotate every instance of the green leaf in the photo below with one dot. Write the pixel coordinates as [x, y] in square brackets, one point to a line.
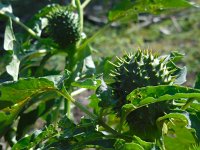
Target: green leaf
[122, 9]
[177, 134]
[9, 37]
[195, 122]
[181, 76]
[94, 103]
[126, 109]
[12, 93]
[13, 67]
[83, 53]
[144, 144]
[91, 84]
[34, 139]
[122, 145]
[17, 94]
[130, 7]
[6, 8]
[88, 66]
[10, 43]
[153, 94]
[177, 116]
[104, 93]
[176, 56]
[7, 115]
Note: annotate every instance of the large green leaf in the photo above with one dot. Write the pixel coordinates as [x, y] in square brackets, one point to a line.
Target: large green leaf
[153, 94]
[14, 95]
[129, 7]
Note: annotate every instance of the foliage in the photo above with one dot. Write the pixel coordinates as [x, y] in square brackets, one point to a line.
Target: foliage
[125, 111]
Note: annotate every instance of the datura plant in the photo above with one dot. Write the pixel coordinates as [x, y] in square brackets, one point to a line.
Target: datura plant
[63, 26]
[134, 102]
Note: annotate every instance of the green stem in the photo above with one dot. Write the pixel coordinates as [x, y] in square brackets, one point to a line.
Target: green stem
[85, 3]
[67, 109]
[80, 12]
[77, 92]
[188, 103]
[66, 95]
[16, 20]
[108, 128]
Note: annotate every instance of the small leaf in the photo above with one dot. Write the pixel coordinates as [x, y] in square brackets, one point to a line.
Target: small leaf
[91, 84]
[94, 103]
[177, 116]
[181, 77]
[88, 66]
[10, 42]
[122, 145]
[126, 109]
[13, 68]
[5, 8]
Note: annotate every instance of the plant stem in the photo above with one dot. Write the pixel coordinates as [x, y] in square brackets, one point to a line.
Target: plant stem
[109, 129]
[79, 91]
[80, 12]
[85, 3]
[66, 95]
[67, 109]
[16, 20]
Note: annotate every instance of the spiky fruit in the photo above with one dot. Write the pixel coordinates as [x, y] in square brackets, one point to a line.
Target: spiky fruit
[63, 26]
[140, 70]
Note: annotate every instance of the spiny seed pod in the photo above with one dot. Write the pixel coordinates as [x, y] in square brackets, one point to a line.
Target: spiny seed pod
[140, 70]
[63, 26]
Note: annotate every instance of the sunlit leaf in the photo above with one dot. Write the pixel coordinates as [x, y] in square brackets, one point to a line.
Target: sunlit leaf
[153, 94]
[178, 135]
[130, 7]
[92, 84]
[8, 114]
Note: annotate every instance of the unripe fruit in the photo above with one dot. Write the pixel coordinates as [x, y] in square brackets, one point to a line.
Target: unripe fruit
[63, 26]
[135, 71]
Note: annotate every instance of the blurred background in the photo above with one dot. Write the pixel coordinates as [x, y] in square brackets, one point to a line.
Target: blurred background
[175, 31]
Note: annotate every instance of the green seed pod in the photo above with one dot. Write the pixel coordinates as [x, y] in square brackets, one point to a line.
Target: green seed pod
[63, 26]
[140, 70]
